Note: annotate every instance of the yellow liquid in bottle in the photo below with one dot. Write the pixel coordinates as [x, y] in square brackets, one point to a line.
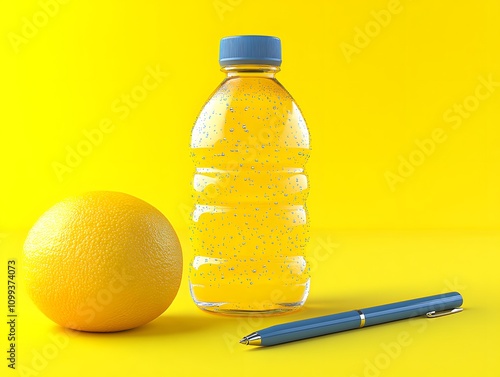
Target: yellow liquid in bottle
[249, 224]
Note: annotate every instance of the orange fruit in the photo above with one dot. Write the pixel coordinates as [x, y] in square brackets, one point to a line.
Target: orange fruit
[102, 261]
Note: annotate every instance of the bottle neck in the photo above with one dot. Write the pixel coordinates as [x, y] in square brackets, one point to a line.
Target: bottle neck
[250, 70]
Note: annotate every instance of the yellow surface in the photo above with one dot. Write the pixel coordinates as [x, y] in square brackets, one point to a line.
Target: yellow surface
[404, 124]
[352, 269]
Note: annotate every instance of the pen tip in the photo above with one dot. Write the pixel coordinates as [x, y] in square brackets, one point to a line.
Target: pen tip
[253, 339]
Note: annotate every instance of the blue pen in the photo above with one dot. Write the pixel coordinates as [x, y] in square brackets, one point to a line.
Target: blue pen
[432, 306]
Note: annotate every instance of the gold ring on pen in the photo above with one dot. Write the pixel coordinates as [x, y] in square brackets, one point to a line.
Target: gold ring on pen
[362, 317]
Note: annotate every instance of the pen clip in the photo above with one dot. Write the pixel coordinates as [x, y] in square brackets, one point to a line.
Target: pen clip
[435, 314]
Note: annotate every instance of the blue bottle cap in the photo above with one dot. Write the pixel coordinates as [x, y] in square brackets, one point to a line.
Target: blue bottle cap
[250, 49]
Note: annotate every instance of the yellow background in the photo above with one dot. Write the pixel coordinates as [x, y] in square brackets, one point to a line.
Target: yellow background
[373, 79]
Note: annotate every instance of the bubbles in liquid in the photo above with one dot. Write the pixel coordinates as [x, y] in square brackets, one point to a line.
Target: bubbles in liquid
[249, 230]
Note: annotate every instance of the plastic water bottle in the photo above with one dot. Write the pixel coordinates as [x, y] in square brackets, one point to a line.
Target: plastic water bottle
[249, 225]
